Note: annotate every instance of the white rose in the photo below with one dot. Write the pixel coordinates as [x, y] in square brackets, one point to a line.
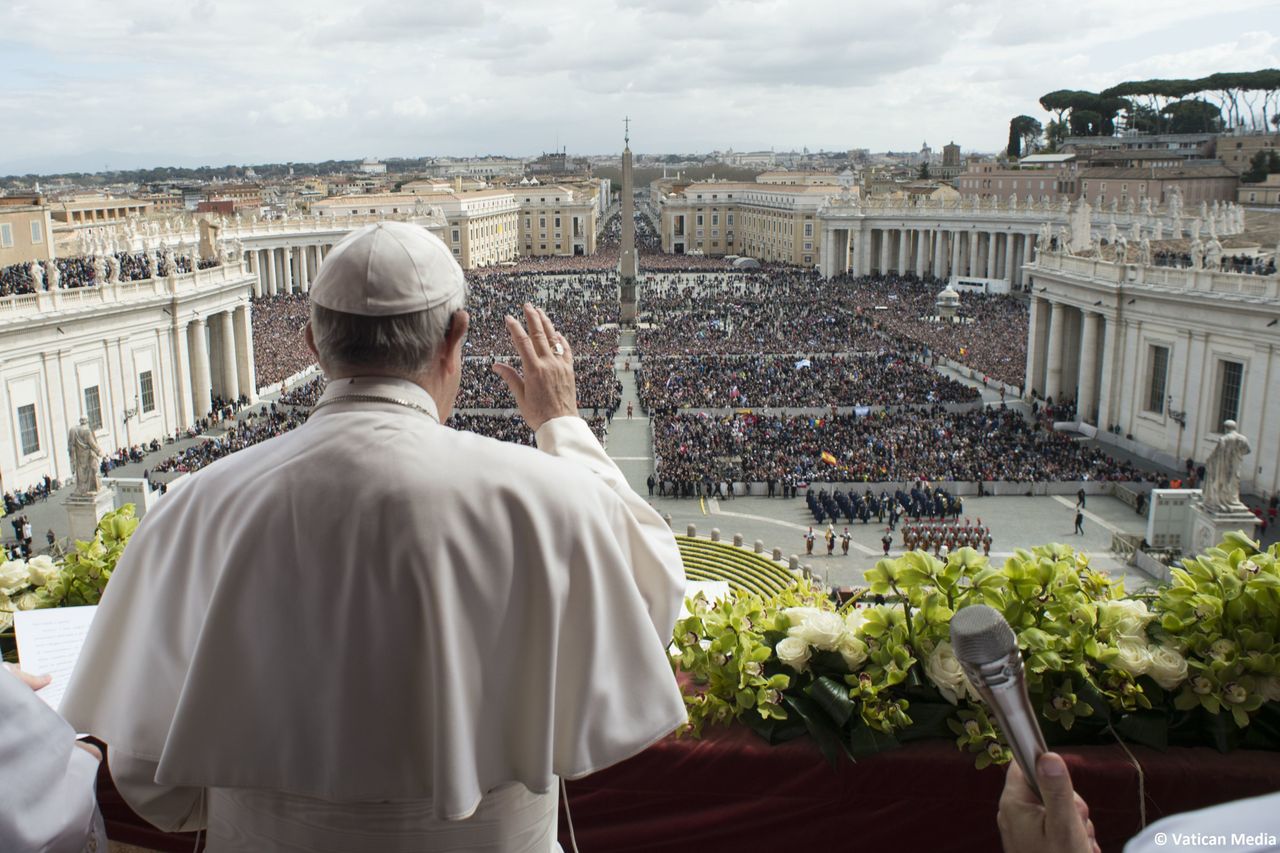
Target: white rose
[853, 621]
[793, 652]
[13, 576]
[41, 568]
[1168, 667]
[822, 630]
[944, 671]
[853, 650]
[796, 615]
[27, 601]
[1134, 657]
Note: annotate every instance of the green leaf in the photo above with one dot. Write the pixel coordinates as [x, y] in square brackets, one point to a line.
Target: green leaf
[833, 697]
[1147, 729]
[865, 741]
[820, 727]
[929, 720]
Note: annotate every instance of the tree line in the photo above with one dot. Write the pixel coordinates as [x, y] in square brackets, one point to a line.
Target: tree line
[1218, 102]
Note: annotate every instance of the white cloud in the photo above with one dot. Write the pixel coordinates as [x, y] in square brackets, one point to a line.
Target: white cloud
[282, 80]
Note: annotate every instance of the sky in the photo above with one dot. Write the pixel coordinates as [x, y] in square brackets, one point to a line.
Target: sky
[91, 85]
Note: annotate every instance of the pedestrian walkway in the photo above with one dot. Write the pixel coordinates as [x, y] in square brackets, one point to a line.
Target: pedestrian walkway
[630, 444]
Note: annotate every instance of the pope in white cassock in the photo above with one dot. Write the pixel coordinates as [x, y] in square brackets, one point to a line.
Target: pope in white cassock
[376, 632]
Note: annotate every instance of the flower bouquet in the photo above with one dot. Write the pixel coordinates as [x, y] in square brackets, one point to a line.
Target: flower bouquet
[1197, 662]
[78, 579]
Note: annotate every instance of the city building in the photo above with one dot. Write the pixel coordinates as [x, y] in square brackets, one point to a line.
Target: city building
[557, 220]
[803, 179]
[483, 168]
[1266, 193]
[1158, 358]
[26, 230]
[371, 166]
[242, 196]
[1236, 151]
[1198, 182]
[951, 165]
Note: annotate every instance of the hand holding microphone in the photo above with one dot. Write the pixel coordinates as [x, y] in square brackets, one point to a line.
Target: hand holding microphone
[1039, 810]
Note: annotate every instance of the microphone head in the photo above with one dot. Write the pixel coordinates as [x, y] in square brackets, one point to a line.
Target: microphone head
[980, 634]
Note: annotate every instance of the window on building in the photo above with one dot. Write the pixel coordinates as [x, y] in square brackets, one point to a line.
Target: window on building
[148, 391]
[715, 219]
[729, 221]
[37, 233]
[456, 235]
[1230, 376]
[93, 407]
[542, 222]
[28, 434]
[1157, 378]
[6, 235]
[808, 247]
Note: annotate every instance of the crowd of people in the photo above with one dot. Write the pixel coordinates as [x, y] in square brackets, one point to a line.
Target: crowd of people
[279, 350]
[787, 310]
[891, 445]
[583, 305]
[1245, 264]
[722, 381]
[16, 500]
[253, 428]
[598, 386]
[84, 271]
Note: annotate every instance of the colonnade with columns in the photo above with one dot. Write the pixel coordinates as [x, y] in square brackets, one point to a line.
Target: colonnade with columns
[928, 250]
[1068, 353]
[214, 359]
[285, 269]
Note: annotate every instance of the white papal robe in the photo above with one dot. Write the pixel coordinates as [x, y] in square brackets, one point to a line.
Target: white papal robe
[376, 621]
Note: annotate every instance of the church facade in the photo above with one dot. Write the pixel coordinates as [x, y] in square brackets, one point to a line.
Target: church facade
[140, 360]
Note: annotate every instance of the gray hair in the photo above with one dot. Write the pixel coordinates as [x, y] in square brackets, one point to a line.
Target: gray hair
[403, 343]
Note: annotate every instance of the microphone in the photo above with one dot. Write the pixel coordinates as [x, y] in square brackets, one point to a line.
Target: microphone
[987, 650]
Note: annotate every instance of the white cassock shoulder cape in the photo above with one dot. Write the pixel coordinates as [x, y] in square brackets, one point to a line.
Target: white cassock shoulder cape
[377, 607]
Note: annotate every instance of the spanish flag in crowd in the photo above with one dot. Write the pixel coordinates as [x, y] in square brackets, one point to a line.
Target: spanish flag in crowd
[828, 458]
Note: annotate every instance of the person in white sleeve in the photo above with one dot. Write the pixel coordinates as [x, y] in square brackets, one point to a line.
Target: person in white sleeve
[303, 648]
[47, 802]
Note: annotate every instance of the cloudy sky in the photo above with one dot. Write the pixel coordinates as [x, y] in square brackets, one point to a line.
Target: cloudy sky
[89, 84]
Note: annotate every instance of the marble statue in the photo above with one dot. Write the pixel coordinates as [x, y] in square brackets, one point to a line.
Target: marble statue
[170, 262]
[1175, 203]
[1122, 250]
[1129, 207]
[1221, 489]
[1113, 233]
[99, 270]
[1065, 204]
[1095, 246]
[1213, 255]
[1146, 206]
[1196, 225]
[1114, 206]
[1158, 233]
[1204, 210]
[1175, 232]
[1013, 201]
[1064, 240]
[113, 269]
[1144, 252]
[1046, 236]
[37, 275]
[52, 277]
[238, 249]
[1135, 231]
[1031, 202]
[1197, 254]
[85, 453]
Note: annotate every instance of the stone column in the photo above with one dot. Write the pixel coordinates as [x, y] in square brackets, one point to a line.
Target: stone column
[282, 262]
[936, 269]
[182, 375]
[918, 236]
[230, 377]
[1008, 259]
[201, 376]
[989, 270]
[251, 265]
[1035, 348]
[884, 251]
[972, 264]
[1087, 389]
[304, 271]
[245, 369]
[1053, 352]
[266, 262]
[904, 250]
[1107, 342]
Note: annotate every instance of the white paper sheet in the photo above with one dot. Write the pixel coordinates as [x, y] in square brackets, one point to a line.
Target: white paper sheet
[49, 643]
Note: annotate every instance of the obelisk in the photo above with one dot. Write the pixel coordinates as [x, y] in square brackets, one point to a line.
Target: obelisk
[627, 258]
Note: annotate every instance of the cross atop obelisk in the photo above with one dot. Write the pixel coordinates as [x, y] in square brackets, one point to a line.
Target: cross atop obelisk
[627, 267]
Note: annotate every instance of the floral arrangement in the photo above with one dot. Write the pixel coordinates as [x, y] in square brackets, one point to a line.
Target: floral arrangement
[1197, 662]
[77, 580]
